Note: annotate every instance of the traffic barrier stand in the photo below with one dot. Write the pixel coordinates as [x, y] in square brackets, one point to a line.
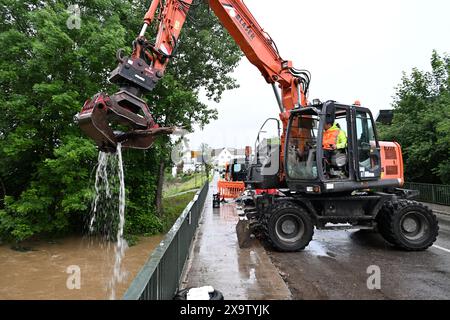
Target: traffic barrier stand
[230, 189]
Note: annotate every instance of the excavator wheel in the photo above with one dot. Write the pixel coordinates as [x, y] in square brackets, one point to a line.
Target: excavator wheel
[408, 225]
[288, 227]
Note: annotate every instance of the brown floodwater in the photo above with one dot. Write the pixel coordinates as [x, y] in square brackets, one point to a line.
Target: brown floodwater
[42, 272]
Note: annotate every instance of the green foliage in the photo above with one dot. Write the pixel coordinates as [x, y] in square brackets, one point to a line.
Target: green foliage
[185, 183]
[47, 71]
[173, 207]
[421, 122]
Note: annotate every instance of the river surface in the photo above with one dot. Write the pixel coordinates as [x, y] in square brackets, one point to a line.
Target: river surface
[42, 272]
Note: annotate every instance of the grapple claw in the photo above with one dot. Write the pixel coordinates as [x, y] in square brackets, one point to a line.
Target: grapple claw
[122, 108]
[141, 139]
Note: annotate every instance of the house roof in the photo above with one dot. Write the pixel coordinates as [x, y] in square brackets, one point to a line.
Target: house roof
[236, 152]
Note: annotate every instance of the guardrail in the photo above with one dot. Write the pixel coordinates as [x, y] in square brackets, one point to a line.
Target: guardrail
[433, 193]
[159, 278]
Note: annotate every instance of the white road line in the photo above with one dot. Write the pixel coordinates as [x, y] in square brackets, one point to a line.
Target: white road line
[438, 247]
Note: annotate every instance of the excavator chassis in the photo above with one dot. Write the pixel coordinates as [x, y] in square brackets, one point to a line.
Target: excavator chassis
[287, 222]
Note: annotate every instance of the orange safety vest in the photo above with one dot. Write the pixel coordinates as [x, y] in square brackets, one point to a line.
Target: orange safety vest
[330, 137]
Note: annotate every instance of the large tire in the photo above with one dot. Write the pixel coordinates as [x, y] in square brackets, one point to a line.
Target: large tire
[383, 219]
[408, 225]
[289, 227]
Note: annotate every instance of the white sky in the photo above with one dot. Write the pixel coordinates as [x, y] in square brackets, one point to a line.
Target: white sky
[354, 49]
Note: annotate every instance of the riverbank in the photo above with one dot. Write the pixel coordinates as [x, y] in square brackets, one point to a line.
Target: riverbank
[180, 184]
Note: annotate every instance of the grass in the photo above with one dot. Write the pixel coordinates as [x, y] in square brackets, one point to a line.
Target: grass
[173, 202]
[182, 184]
[173, 207]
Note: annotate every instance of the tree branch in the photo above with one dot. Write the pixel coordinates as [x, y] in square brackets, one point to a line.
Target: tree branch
[4, 190]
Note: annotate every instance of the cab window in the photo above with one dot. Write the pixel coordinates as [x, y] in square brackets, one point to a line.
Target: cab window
[366, 143]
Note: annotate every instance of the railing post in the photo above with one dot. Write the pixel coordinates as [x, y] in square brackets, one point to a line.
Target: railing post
[433, 193]
[158, 284]
[178, 254]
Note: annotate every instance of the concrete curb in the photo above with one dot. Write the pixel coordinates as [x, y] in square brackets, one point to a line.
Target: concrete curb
[442, 213]
[433, 208]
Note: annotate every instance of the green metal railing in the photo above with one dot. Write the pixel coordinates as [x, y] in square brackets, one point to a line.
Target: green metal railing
[159, 278]
[433, 193]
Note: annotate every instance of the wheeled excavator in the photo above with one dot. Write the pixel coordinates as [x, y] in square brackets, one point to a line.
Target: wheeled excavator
[360, 187]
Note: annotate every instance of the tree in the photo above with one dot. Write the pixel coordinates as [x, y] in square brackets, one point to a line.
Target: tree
[47, 70]
[206, 156]
[421, 122]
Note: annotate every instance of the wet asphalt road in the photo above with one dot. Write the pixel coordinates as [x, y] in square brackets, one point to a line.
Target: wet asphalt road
[334, 266]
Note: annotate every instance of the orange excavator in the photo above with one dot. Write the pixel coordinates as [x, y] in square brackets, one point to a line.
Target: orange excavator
[357, 186]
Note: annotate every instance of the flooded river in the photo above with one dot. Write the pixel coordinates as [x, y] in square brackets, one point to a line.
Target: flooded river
[42, 272]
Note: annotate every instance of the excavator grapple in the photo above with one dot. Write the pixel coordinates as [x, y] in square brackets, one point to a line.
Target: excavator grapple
[124, 109]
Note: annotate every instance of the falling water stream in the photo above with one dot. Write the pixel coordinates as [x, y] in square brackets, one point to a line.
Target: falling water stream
[108, 211]
[121, 246]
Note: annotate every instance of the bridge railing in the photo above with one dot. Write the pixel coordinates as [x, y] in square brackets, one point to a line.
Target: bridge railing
[159, 278]
[433, 193]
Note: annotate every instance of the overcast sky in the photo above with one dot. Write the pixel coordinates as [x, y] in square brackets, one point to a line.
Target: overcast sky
[354, 49]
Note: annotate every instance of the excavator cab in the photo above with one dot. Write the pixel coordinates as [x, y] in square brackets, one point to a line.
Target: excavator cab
[354, 164]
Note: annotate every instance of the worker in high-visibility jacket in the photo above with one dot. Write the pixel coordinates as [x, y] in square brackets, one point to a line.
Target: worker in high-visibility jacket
[333, 137]
[334, 140]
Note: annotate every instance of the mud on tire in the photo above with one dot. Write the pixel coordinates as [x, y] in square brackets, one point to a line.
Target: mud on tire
[408, 225]
[288, 227]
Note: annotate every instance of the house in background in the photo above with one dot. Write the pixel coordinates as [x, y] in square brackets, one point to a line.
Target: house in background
[190, 162]
[222, 156]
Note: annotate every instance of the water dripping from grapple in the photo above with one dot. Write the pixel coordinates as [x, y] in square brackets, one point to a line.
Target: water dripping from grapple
[124, 108]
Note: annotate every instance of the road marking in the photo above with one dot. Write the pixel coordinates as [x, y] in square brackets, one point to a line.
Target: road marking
[438, 247]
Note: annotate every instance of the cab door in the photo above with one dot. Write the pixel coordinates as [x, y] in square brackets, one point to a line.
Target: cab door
[263, 173]
[367, 154]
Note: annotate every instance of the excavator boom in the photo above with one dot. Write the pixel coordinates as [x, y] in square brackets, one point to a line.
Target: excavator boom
[139, 73]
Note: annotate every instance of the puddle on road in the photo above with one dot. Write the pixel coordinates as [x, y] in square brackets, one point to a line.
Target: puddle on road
[228, 214]
[41, 273]
[317, 249]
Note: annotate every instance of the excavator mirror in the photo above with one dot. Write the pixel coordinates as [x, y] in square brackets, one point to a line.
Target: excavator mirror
[330, 112]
